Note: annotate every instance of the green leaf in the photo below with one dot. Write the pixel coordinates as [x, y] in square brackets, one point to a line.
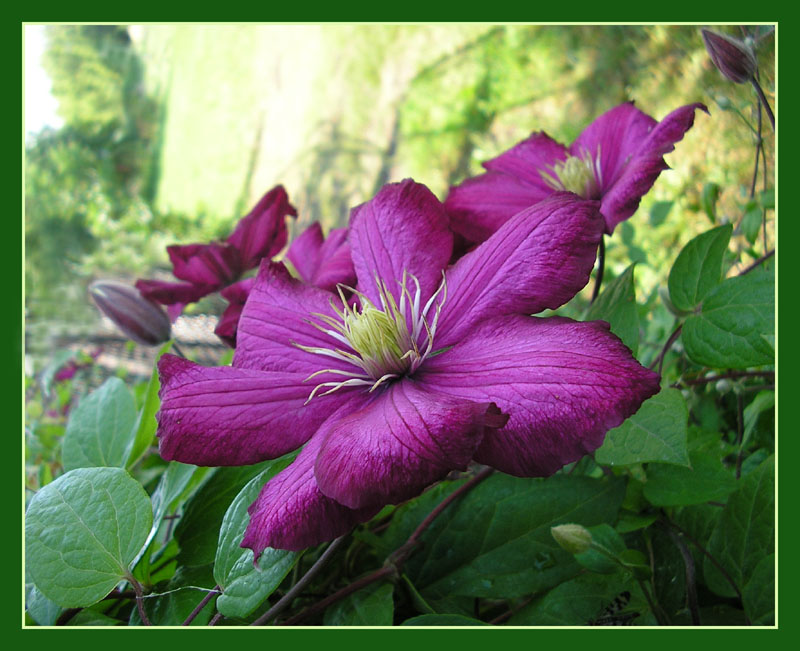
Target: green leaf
[707, 480]
[370, 606]
[496, 540]
[698, 268]
[197, 532]
[596, 561]
[577, 602]
[763, 401]
[751, 222]
[659, 211]
[758, 594]
[144, 429]
[82, 531]
[99, 429]
[43, 611]
[170, 486]
[745, 533]
[617, 305]
[244, 586]
[93, 618]
[657, 432]
[728, 331]
[709, 200]
[443, 620]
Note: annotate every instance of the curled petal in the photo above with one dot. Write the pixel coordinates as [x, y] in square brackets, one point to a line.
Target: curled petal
[563, 384]
[617, 135]
[403, 440]
[262, 232]
[224, 416]
[403, 228]
[292, 513]
[538, 259]
[636, 178]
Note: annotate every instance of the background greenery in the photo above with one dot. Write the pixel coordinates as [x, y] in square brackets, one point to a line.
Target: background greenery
[173, 131]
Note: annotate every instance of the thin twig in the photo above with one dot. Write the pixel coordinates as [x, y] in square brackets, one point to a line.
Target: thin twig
[726, 376]
[209, 596]
[395, 560]
[601, 263]
[287, 599]
[739, 432]
[178, 350]
[763, 99]
[691, 583]
[763, 258]
[659, 361]
[215, 619]
[713, 560]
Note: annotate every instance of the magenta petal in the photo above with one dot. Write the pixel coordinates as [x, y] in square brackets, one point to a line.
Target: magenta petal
[262, 232]
[403, 228]
[403, 440]
[277, 316]
[168, 293]
[228, 323]
[292, 513]
[225, 416]
[214, 265]
[618, 134]
[322, 262]
[564, 384]
[538, 259]
[622, 199]
[480, 205]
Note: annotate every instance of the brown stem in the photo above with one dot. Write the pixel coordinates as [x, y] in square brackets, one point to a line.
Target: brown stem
[209, 596]
[764, 257]
[691, 583]
[763, 99]
[395, 560]
[713, 560]
[298, 587]
[659, 361]
[137, 588]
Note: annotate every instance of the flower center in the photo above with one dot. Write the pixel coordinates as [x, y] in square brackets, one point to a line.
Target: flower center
[388, 340]
[578, 174]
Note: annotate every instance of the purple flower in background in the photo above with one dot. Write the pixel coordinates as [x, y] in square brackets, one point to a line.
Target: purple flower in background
[615, 160]
[207, 268]
[319, 261]
[434, 368]
[139, 318]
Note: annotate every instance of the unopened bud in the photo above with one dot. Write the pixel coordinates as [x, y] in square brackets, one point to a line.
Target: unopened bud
[733, 58]
[572, 537]
[140, 319]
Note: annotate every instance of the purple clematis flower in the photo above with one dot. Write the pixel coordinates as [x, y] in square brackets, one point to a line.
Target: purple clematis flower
[615, 160]
[434, 368]
[207, 268]
[319, 261]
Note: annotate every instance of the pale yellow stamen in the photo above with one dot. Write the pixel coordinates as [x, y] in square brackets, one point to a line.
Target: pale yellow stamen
[387, 340]
[578, 174]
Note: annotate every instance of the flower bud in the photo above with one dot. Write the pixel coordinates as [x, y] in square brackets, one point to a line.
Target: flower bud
[734, 59]
[138, 318]
[572, 537]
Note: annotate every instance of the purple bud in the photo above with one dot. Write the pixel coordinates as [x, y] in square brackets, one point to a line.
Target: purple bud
[733, 58]
[140, 319]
